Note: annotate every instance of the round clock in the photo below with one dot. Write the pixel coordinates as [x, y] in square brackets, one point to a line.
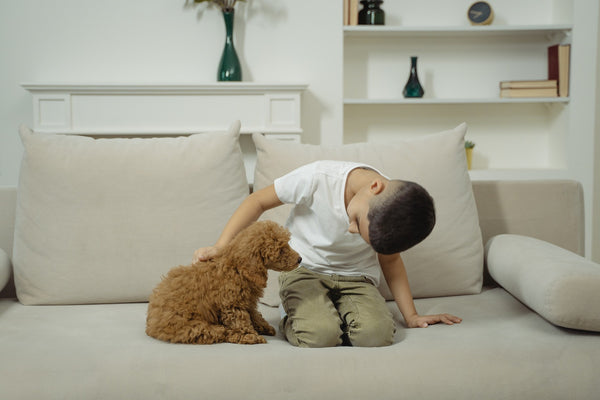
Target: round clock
[480, 13]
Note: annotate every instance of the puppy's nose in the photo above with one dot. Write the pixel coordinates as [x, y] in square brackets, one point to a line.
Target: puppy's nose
[299, 260]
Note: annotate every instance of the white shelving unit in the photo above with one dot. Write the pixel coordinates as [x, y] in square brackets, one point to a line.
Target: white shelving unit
[460, 67]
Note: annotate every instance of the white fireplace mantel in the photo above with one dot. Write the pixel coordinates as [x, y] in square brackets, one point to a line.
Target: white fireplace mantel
[166, 109]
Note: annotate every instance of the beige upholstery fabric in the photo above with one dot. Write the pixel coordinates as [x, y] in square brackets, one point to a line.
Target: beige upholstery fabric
[5, 269]
[100, 220]
[501, 350]
[561, 286]
[529, 208]
[8, 199]
[450, 260]
[503, 207]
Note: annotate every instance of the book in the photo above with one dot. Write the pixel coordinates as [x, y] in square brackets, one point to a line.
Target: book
[353, 12]
[558, 66]
[346, 11]
[550, 83]
[529, 92]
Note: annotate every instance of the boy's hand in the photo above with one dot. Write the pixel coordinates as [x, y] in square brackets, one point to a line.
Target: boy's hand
[423, 321]
[204, 254]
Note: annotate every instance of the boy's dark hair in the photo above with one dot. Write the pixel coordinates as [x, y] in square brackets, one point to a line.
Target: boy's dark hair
[400, 219]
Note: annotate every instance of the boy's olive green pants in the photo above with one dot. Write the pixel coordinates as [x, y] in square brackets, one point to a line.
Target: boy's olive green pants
[330, 310]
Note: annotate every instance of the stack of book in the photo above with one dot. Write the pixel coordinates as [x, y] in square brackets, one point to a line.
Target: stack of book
[537, 88]
[557, 83]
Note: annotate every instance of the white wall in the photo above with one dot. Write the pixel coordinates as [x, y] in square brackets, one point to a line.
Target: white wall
[596, 205]
[165, 41]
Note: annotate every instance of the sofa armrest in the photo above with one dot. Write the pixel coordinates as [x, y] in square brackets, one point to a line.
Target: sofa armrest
[559, 285]
[5, 269]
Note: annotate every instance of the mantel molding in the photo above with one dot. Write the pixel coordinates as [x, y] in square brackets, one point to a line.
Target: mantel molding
[166, 88]
[166, 108]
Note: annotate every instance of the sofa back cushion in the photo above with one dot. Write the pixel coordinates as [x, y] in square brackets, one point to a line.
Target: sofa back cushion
[450, 260]
[101, 220]
[550, 210]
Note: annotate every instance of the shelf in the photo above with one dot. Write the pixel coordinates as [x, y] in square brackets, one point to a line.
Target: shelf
[224, 88]
[492, 100]
[455, 31]
[518, 174]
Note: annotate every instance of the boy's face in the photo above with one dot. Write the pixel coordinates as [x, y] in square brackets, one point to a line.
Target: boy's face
[357, 210]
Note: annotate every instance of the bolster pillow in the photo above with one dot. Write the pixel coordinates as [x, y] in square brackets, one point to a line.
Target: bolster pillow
[559, 285]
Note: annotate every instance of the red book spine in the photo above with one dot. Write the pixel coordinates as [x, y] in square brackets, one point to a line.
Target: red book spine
[553, 62]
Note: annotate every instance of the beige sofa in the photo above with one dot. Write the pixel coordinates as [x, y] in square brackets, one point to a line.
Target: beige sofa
[96, 223]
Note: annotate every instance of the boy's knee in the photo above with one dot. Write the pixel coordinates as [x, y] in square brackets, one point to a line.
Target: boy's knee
[313, 333]
[373, 334]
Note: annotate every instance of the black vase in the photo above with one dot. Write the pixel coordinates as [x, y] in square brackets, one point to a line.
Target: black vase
[413, 87]
[371, 14]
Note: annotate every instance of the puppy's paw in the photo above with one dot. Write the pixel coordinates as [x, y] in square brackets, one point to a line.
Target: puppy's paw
[251, 338]
[267, 330]
[245, 338]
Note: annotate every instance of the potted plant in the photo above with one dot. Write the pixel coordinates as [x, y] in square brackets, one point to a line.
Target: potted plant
[225, 5]
[469, 145]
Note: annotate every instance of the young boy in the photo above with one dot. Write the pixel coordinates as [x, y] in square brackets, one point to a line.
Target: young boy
[349, 223]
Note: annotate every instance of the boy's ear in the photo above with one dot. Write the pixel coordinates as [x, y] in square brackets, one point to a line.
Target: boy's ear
[377, 186]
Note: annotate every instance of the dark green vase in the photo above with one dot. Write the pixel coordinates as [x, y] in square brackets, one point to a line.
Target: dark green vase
[371, 14]
[413, 87]
[229, 67]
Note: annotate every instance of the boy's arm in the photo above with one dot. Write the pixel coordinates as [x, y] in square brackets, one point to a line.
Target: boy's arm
[249, 211]
[397, 280]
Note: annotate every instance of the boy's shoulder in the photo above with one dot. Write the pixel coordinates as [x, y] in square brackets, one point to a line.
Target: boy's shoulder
[334, 166]
[321, 170]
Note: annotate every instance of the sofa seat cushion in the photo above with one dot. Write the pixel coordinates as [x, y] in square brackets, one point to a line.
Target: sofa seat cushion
[450, 260]
[100, 220]
[501, 350]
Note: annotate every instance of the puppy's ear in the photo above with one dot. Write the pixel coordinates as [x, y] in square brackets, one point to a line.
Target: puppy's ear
[255, 274]
[266, 252]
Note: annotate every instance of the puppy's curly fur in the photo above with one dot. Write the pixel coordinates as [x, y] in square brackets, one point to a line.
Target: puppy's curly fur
[216, 301]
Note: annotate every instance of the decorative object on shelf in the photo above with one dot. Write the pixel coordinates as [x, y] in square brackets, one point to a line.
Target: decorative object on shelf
[469, 152]
[230, 68]
[532, 88]
[413, 87]
[480, 13]
[371, 13]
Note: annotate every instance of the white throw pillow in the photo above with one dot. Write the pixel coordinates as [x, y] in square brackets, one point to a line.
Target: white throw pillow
[450, 260]
[101, 220]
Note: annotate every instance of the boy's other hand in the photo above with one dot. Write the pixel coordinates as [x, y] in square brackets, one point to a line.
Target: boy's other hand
[204, 254]
[423, 321]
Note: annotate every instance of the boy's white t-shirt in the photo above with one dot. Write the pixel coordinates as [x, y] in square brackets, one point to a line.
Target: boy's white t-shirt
[319, 221]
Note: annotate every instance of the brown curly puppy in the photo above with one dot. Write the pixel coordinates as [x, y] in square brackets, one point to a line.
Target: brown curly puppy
[216, 301]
